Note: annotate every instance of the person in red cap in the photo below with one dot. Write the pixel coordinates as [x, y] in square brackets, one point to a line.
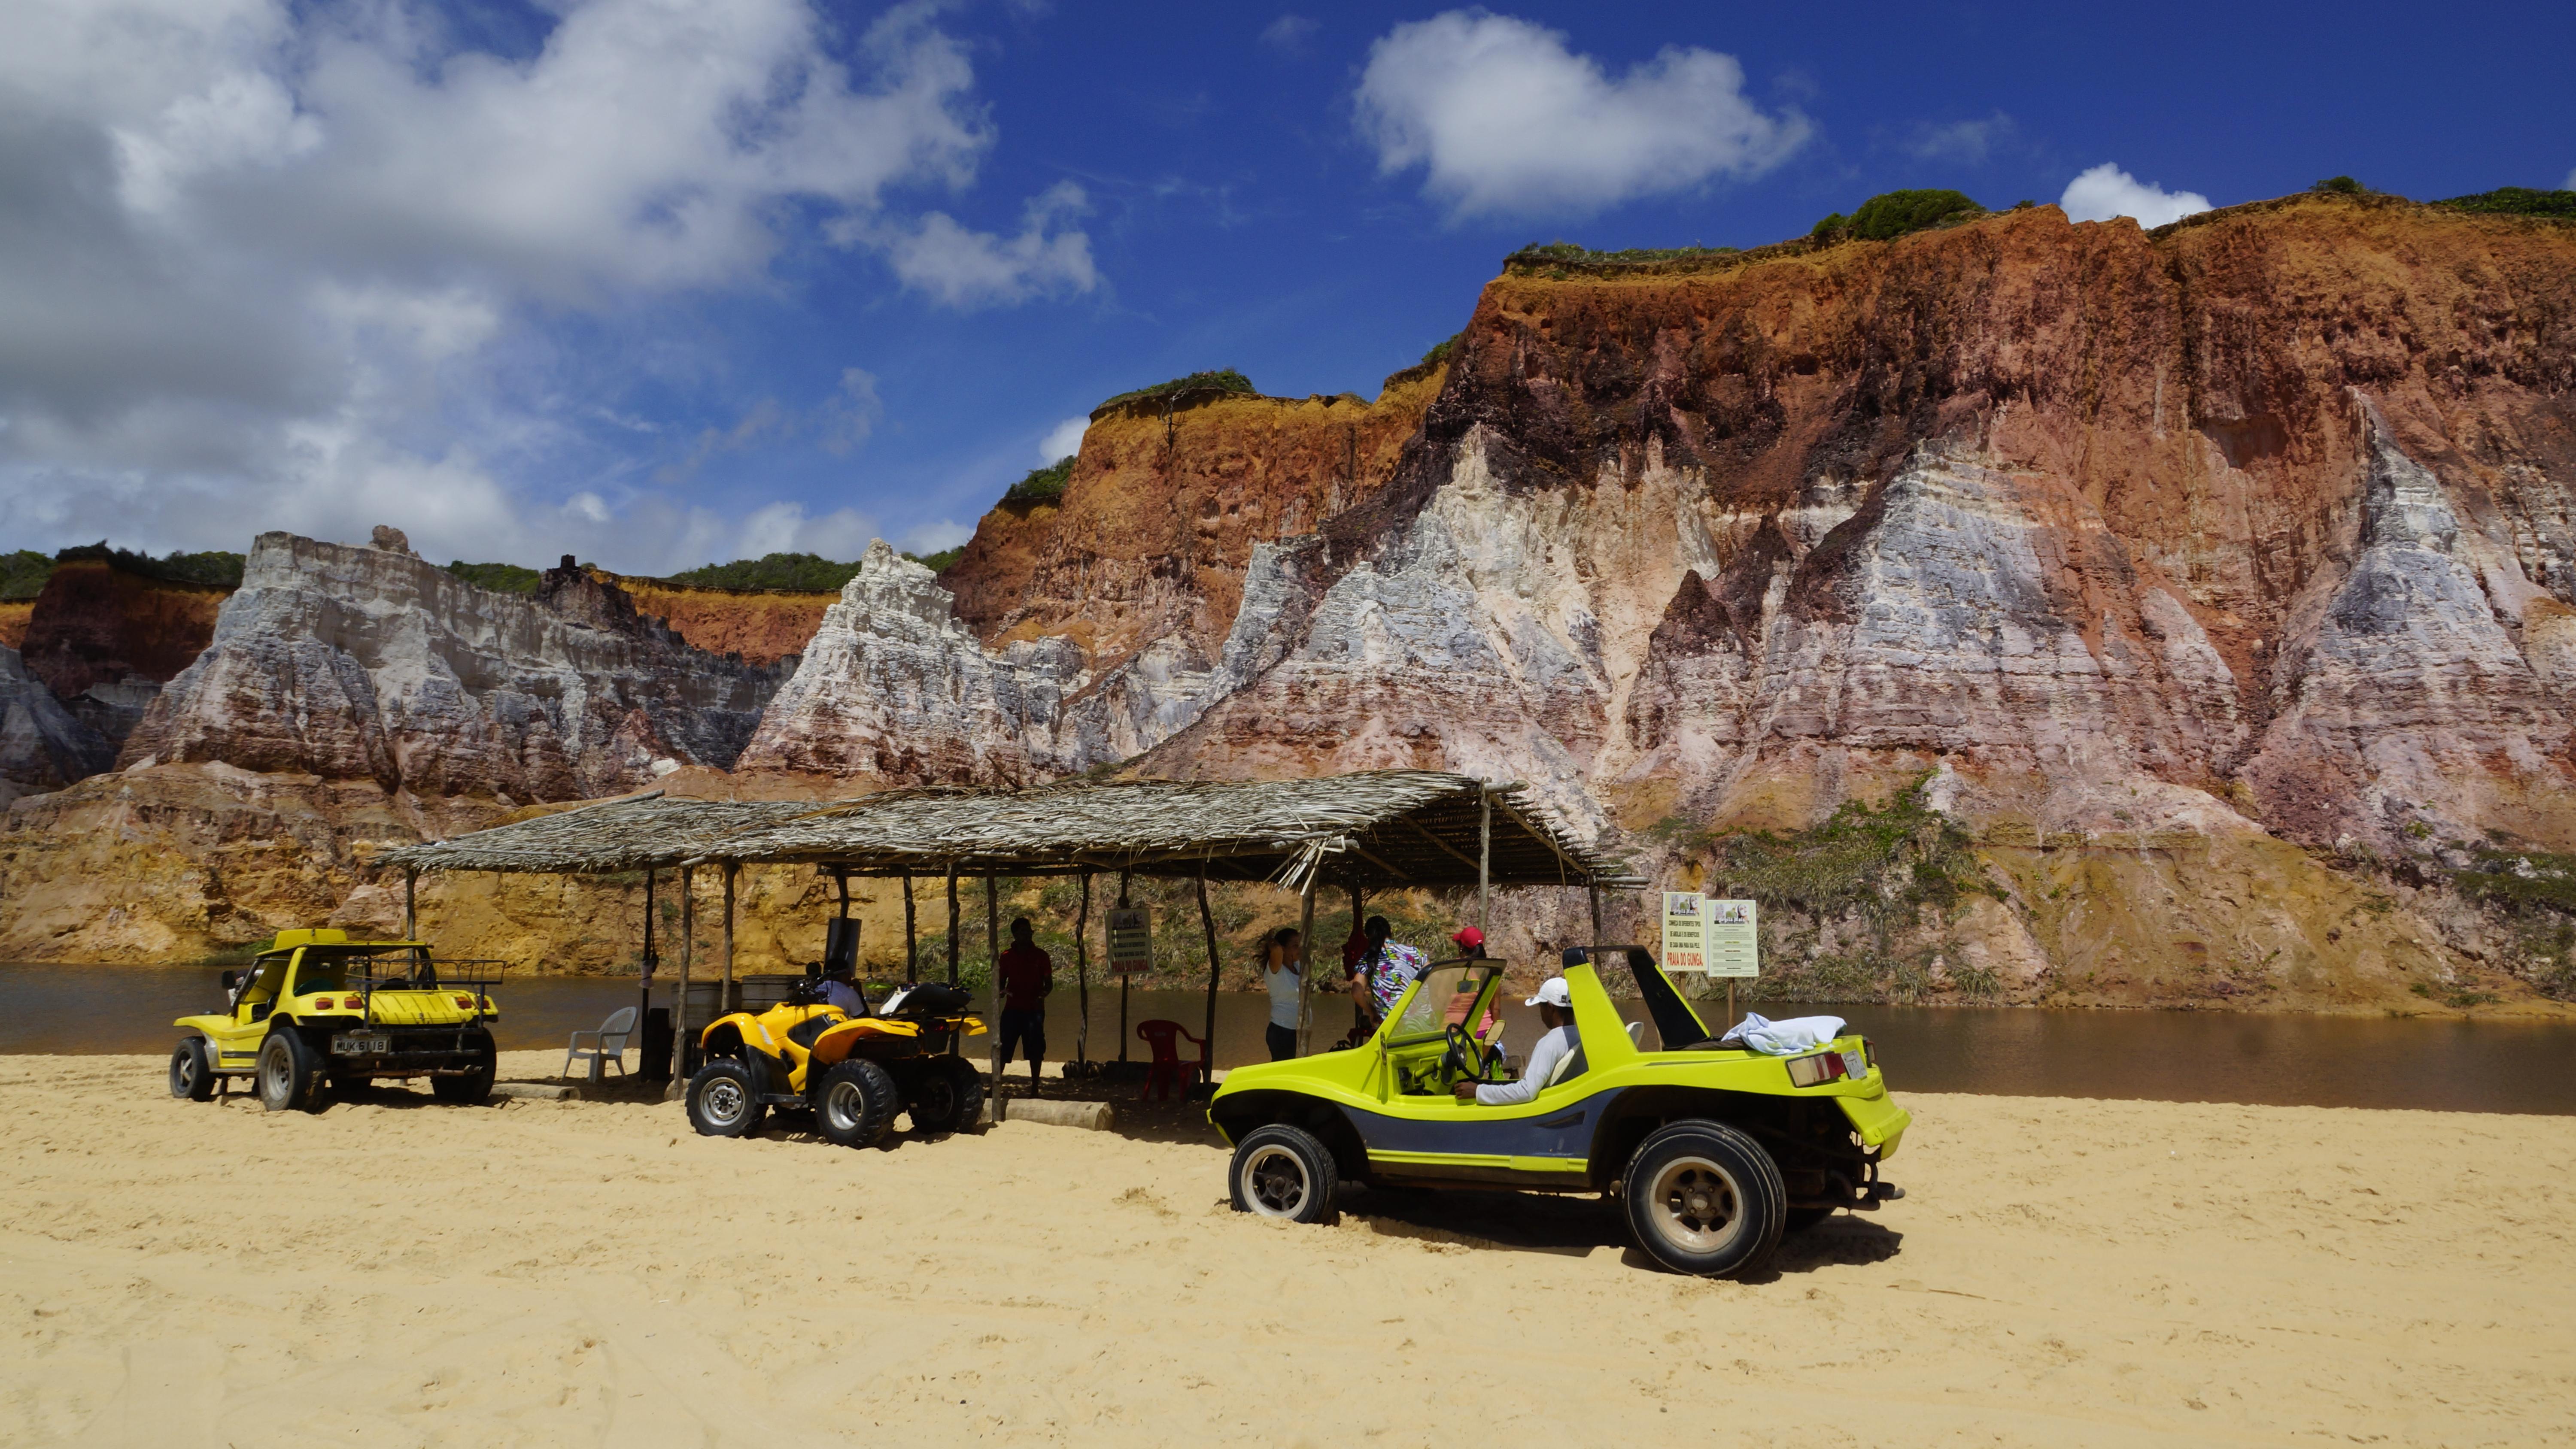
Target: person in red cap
[1470, 942]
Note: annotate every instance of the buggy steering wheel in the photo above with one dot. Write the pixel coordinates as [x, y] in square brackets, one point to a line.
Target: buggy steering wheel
[1465, 1057]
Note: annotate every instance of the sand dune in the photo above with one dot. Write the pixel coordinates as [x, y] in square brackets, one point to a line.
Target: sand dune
[571, 1273]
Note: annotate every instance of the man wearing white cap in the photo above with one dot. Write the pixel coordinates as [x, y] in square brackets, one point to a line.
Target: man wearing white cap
[1556, 1009]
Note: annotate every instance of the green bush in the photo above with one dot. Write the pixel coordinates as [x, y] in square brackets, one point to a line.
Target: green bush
[1440, 350]
[500, 578]
[1893, 214]
[213, 568]
[1537, 254]
[938, 562]
[1223, 380]
[2340, 186]
[1042, 485]
[2521, 881]
[795, 573]
[1832, 222]
[23, 574]
[2516, 201]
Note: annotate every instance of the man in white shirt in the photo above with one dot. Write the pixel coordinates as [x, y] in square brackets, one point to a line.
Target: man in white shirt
[839, 990]
[1555, 1003]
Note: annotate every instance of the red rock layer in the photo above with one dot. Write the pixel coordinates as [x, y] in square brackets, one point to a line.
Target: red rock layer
[762, 625]
[97, 624]
[1167, 498]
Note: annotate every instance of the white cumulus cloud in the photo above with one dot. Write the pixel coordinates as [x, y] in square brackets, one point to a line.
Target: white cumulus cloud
[2107, 191]
[270, 263]
[1504, 120]
[1063, 440]
[966, 268]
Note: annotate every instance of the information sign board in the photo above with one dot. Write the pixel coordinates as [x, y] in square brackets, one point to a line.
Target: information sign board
[1685, 931]
[1734, 939]
[1131, 940]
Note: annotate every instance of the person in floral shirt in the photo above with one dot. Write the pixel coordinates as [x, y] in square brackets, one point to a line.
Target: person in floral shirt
[1385, 969]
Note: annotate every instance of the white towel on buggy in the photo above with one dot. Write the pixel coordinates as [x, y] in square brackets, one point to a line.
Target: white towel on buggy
[1782, 1038]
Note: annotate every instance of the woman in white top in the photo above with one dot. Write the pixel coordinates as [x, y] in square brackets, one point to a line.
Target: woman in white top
[1283, 969]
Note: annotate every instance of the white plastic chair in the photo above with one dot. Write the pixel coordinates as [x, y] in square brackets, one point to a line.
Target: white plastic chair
[608, 1044]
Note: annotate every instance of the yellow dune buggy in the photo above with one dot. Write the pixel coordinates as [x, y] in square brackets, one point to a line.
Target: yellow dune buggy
[854, 1073]
[318, 1011]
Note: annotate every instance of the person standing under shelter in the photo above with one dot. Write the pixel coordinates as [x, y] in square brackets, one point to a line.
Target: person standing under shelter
[1283, 969]
[1386, 968]
[1027, 974]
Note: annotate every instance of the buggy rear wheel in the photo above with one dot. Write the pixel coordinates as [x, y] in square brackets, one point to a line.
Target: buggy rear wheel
[192, 1076]
[1704, 1198]
[290, 1073]
[724, 1101]
[1284, 1172]
[474, 1088]
[948, 1098]
[856, 1103]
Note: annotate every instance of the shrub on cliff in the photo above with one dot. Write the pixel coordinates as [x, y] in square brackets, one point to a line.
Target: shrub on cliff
[1893, 214]
[938, 562]
[1043, 485]
[1222, 380]
[2516, 201]
[500, 578]
[213, 568]
[795, 573]
[23, 574]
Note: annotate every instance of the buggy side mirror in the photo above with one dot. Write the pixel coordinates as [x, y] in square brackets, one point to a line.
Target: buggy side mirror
[231, 979]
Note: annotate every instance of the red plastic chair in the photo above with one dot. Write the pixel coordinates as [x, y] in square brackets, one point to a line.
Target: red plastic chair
[1170, 1073]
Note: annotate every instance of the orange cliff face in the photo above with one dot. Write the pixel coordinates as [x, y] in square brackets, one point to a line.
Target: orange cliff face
[1157, 525]
[764, 626]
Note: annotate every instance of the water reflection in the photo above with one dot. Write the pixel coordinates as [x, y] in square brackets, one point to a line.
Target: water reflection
[2328, 1061]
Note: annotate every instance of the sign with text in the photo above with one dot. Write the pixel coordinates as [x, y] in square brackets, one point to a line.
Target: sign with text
[1685, 931]
[1734, 938]
[1131, 941]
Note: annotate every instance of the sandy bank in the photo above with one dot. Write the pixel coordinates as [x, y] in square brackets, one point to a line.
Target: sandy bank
[589, 1272]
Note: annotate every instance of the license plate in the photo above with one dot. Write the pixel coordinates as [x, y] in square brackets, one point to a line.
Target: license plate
[1856, 1064]
[350, 1046]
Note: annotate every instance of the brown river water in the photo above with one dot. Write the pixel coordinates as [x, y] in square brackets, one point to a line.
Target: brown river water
[2443, 1064]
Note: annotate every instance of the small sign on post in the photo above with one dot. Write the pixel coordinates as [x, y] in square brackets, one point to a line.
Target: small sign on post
[1734, 939]
[1685, 931]
[1131, 940]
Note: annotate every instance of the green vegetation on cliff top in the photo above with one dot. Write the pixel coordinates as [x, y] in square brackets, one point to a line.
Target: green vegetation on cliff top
[794, 573]
[23, 574]
[1042, 485]
[214, 568]
[500, 578]
[1221, 380]
[1893, 214]
[2516, 201]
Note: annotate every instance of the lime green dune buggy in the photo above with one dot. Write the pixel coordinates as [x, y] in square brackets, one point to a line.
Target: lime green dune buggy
[319, 1013]
[1713, 1151]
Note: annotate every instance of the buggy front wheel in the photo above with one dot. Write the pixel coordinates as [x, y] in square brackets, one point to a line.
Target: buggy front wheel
[192, 1074]
[1284, 1172]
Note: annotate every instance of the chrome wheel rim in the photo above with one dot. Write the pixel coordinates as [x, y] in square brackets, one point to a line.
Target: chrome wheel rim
[1695, 1205]
[183, 1070]
[276, 1074]
[722, 1102]
[1274, 1181]
[842, 1106]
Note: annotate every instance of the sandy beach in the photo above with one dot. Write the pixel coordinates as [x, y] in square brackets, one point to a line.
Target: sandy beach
[2062, 1272]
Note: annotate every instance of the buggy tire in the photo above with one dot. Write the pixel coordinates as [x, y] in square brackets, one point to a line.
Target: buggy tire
[192, 1071]
[1703, 1198]
[1281, 1171]
[948, 1098]
[473, 1088]
[724, 1100]
[291, 1073]
[1801, 1219]
[856, 1103]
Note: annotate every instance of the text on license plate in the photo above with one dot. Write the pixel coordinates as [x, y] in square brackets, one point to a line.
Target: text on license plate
[350, 1046]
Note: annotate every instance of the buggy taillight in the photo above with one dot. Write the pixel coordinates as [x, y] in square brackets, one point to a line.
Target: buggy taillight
[467, 1002]
[1815, 1071]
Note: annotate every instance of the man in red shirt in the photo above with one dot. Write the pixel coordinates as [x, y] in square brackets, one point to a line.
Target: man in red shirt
[1028, 974]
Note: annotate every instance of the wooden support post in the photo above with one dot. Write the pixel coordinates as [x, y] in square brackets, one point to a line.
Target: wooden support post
[1207, 922]
[644, 1006]
[680, 995]
[843, 878]
[1596, 911]
[993, 950]
[1082, 972]
[1122, 980]
[411, 910]
[911, 942]
[1306, 970]
[730, 1004]
[952, 931]
[1484, 862]
[1359, 903]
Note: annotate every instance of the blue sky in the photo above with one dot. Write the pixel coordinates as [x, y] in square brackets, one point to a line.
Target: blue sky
[660, 282]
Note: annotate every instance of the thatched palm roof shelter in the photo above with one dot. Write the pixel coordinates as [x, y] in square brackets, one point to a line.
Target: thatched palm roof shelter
[1374, 830]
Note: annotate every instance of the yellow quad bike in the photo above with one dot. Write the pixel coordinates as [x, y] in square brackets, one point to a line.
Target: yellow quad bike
[318, 1011]
[1713, 1151]
[854, 1073]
